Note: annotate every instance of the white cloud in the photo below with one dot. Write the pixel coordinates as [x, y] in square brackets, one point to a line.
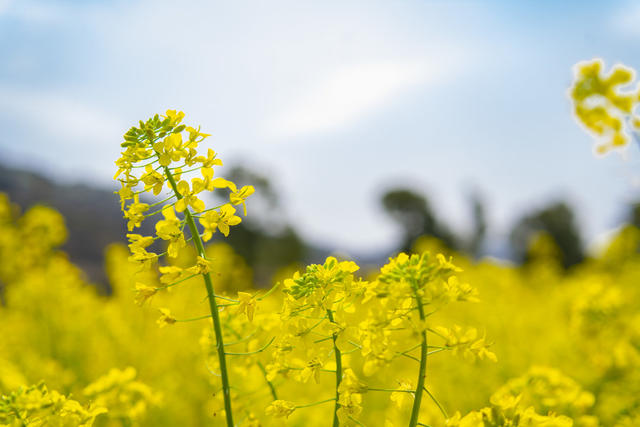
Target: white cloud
[59, 115]
[4, 6]
[35, 11]
[349, 94]
[626, 19]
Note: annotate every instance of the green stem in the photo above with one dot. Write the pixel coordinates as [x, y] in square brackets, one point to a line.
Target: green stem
[193, 319]
[308, 405]
[217, 328]
[274, 394]
[260, 350]
[273, 288]
[417, 401]
[336, 350]
[176, 283]
[390, 390]
[444, 412]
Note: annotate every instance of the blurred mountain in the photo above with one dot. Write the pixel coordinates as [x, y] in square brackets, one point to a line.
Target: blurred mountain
[267, 240]
[92, 215]
[94, 220]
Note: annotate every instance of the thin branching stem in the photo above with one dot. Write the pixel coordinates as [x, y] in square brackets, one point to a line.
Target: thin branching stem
[274, 394]
[193, 319]
[338, 356]
[308, 405]
[260, 350]
[177, 282]
[444, 412]
[273, 288]
[272, 387]
[217, 327]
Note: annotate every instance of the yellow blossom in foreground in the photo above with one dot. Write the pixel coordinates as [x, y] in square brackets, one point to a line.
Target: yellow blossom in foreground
[222, 220]
[135, 213]
[202, 266]
[153, 180]
[137, 242]
[238, 197]
[169, 229]
[189, 197]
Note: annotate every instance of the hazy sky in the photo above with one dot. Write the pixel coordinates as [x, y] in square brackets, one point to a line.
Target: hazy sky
[335, 101]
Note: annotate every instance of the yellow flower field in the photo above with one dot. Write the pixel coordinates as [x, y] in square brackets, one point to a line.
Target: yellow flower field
[431, 338]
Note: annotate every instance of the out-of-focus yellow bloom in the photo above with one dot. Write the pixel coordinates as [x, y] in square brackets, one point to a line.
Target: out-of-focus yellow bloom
[37, 406]
[465, 342]
[601, 104]
[127, 398]
[247, 304]
[170, 274]
[402, 398]
[280, 409]
[166, 318]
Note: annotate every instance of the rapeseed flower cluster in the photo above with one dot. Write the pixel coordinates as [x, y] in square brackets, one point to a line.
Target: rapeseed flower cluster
[605, 103]
[157, 158]
[168, 152]
[334, 323]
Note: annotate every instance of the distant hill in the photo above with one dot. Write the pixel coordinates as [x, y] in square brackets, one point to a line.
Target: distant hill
[92, 215]
[94, 220]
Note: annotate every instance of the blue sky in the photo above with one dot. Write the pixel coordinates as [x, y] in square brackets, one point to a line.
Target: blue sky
[335, 101]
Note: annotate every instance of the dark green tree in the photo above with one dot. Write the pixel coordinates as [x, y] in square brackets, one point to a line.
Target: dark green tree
[634, 215]
[556, 219]
[413, 213]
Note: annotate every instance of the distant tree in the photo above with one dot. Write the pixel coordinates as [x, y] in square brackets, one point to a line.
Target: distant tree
[479, 225]
[558, 221]
[415, 216]
[634, 217]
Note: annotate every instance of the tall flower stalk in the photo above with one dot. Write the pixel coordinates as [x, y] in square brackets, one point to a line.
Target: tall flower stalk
[157, 158]
[410, 289]
[315, 331]
[338, 358]
[422, 370]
